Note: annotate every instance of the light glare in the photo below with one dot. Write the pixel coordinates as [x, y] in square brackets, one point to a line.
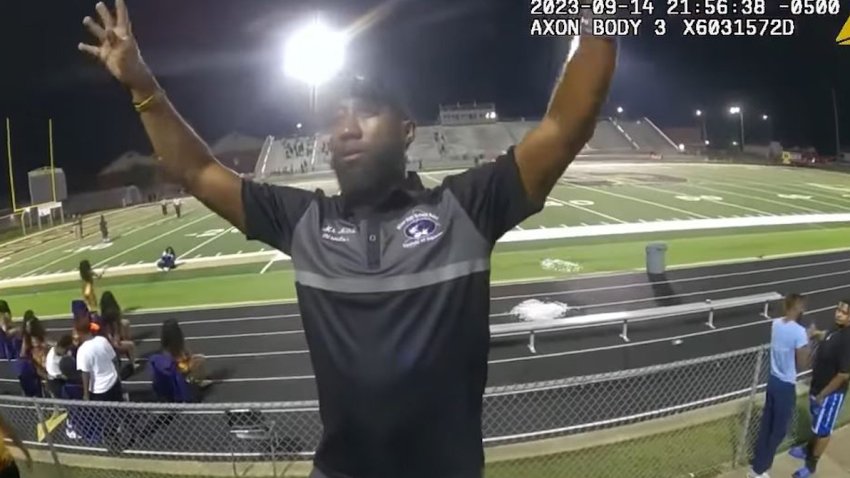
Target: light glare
[314, 54]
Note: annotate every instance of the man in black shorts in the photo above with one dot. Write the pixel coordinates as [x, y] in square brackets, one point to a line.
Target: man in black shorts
[392, 278]
[830, 376]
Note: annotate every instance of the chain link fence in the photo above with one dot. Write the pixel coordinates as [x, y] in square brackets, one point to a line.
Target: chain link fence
[689, 418]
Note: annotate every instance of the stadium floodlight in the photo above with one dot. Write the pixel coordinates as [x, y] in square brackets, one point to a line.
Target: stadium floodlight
[765, 117]
[298, 125]
[699, 112]
[681, 147]
[315, 53]
[707, 142]
[736, 110]
[619, 110]
[734, 143]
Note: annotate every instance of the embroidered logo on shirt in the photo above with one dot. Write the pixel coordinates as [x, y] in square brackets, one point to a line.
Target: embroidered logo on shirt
[420, 227]
[338, 232]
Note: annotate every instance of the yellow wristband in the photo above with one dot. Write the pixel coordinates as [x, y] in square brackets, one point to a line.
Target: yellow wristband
[147, 103]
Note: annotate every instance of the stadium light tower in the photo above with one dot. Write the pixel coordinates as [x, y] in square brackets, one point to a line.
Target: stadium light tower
[314, 54]
[736, 110]
[769, 121]
[703, 130]
[619, 110]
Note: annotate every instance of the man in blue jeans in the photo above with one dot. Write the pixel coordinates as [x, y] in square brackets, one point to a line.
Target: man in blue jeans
[830, 376]
[788, 354]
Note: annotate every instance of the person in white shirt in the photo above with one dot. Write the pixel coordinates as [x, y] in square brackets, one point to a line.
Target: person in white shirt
[96, 361]
[55, 378]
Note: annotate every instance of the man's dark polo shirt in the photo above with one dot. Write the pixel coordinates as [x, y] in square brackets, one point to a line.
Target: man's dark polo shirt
[395, 303]
[832, 358]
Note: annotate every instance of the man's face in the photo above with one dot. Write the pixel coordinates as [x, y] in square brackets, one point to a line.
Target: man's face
[368, 144]
[842, 314]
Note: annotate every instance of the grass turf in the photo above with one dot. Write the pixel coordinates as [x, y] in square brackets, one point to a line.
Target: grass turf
[243, 283]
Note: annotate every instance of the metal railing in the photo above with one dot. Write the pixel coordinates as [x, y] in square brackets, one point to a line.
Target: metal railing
[624, 318]
[702, 413]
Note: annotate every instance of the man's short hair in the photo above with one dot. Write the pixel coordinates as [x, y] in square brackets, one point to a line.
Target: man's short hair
[65, 342]
[845, 301]
[4, 307]
[792, 299]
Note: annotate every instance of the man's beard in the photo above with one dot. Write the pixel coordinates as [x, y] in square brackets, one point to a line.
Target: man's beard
[367, 179]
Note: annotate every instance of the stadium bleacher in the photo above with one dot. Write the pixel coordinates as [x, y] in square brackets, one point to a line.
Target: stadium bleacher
[442, 145]
[647, 137]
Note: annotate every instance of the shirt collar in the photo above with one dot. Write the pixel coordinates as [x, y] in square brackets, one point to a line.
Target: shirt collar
[398, 196]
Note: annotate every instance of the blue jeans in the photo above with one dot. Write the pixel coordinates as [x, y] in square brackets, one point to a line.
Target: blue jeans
[775, 418]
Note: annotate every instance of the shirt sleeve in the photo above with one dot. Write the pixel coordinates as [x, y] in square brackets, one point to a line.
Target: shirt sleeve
[802, 338]
[83, 363]
[271, 212]
[493, 196]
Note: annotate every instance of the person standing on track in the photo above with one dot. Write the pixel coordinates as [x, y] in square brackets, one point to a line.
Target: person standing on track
[789, 354]
[392, 278]
[830, 377]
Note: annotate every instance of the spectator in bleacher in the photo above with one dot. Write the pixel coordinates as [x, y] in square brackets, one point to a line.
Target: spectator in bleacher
[8, 468]
[10, 335]
[34, 345]
[52, 365]
[191, 366]
[96, 362]
[828, 389]
[789, 355]
[392, 403]
[116, 328]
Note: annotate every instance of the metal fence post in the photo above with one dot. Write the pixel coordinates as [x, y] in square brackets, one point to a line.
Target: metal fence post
[48, 436]
[742, 449]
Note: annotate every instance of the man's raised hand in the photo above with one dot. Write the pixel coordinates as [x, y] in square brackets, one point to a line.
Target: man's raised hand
[116, 47]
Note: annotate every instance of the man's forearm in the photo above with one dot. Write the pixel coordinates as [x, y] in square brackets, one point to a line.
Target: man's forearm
[86, 379]
[182, 152]
[582, 89]
[833, 386]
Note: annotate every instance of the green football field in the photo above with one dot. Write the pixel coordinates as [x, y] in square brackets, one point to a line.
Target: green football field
[39, 271]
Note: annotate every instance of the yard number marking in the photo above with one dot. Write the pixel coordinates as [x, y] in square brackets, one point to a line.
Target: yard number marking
[699, 198]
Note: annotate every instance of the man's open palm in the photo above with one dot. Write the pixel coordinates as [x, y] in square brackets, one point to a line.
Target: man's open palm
[116, 49]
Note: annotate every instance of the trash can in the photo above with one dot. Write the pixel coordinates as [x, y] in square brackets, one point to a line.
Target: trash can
[656, 257]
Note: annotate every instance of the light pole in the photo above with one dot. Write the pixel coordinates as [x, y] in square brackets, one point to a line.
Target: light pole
[703, 131]
[314, 54]
[736, 110]
[767, 119]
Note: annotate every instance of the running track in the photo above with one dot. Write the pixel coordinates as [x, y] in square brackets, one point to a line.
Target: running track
[259, 353]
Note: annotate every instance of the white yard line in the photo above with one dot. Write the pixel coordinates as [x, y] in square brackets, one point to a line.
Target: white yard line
[630, 198]
[581, 208]
[89, 242]
[756, 198]
[764, 191]
[722, 203]
[225, 231]
[142, 244]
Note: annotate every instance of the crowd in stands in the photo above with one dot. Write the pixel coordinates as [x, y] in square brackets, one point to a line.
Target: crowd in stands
[90, 362]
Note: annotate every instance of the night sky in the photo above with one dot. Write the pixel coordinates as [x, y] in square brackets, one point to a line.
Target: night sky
[220, 62]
